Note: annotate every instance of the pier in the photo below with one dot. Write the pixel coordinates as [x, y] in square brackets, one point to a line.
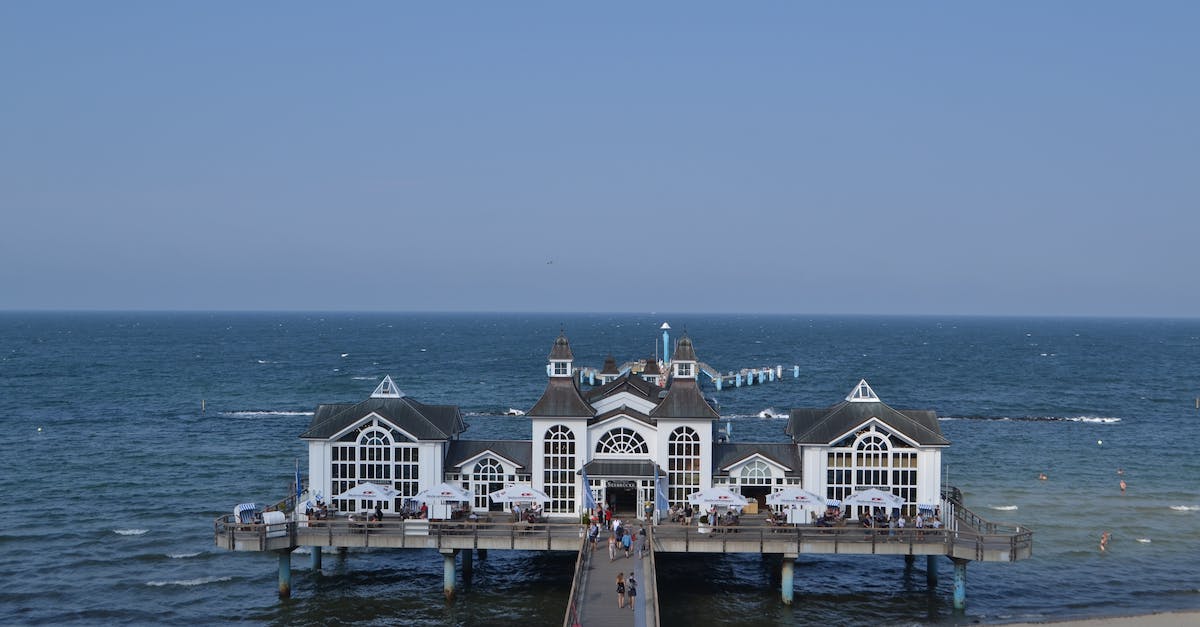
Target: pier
[731, 379]
[967, 538]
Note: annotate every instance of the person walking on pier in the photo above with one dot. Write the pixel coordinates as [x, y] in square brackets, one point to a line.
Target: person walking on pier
[631, 585]
[626, 541]
[612, 547]
[620, 590]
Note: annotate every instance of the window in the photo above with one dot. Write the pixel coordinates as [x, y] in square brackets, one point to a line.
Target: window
[683, 464]
[622, 441]
[872, 460]
[558, 473]
[756, 472]
[685, 369]
[488, 477]
[560, 368]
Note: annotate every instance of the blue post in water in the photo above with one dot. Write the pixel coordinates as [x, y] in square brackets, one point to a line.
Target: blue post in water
[772, 375]
[719, 379]
[795, 372]
[739, 380]
[931, 571]
[316, 558]
[592, 377]
[285, 574]
[448, 573]
[960, 584]
[786, 587]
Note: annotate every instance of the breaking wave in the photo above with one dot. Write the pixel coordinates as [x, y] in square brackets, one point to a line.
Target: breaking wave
[1186, 508]
[130, 532]
[1090, 419]
[1004, 508]
[253, 413]
[179, 556]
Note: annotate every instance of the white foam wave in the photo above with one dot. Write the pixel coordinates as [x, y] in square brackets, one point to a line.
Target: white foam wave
[1186, 508]
[514, 412]
[1004, 508]
[364, 378]
[250, 414]
[130, 532]
[1094, 419]
[1144, 540]
[188, 582]
[770, 412]
[264, 361]
[179, 556]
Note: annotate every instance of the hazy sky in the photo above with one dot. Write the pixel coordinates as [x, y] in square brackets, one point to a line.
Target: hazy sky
[1028, 158]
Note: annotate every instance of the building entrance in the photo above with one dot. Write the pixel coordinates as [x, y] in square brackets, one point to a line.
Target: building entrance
[621, 496]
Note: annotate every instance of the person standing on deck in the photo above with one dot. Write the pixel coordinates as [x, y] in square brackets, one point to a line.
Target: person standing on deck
[620, 590]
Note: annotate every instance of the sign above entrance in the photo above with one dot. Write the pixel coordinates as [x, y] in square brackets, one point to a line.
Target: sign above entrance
[620, 483]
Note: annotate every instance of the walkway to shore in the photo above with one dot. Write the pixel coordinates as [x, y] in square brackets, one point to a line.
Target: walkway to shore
[598, 601]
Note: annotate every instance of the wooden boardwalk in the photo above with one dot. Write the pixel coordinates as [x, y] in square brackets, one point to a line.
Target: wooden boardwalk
[597, 596]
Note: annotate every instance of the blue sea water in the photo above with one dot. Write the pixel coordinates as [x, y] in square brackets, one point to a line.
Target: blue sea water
[113, 474]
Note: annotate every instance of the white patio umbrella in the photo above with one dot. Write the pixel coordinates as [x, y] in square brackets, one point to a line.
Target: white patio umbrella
[519, 493]
[716, 496]
[795, 496]
[369, 491]
[443, 492]
[873, 497]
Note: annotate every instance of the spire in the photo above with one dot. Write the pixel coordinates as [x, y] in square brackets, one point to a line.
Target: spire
[561, 357]
[862, 393]
[387, 389]
[683, 362]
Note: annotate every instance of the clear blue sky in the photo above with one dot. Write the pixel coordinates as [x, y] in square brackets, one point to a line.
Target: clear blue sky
[1027, 158]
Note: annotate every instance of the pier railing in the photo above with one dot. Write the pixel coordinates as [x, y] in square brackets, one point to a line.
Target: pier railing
[573, 601]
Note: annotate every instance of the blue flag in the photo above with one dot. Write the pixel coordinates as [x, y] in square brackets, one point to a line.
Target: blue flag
[298, 490]
[660, 492]
[589, 501]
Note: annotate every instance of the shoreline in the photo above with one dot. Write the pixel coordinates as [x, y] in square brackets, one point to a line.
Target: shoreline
[1181, 618]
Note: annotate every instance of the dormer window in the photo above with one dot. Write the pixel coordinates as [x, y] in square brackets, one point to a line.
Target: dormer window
[684, 369]
[560, 369]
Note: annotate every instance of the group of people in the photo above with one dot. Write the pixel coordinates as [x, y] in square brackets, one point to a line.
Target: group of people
[626, 590]
[531, 513]
[620, 538]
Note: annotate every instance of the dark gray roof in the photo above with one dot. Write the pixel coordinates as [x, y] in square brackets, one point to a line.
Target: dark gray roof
[424, 422]
[519, 451]
[562, 349]
[621, 468]
[610, 366]
[684, 350]
[622, 411]
[782, 453]
[823, 426]
[684, 400]
[652, 367]
[562, 399]
[627, 382]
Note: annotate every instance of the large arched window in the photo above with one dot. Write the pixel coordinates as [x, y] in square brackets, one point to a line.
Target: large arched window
[872, 459]
[756, 472]
[487, 477]
[683, 464]
[622, 441]
[558, 473]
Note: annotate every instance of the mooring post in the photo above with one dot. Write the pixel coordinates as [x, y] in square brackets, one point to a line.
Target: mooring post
[960, 583]
[316, 558]
[931, 571]
[786, 586]
[448, 573]
[285, 574]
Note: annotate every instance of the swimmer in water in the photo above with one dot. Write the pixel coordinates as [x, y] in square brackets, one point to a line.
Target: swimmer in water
[1122, 486]
[1120, 471]
[1042, 476]
[1104, 542]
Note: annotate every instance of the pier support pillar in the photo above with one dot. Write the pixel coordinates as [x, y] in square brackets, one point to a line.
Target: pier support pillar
[960, 584]
[285, 574]
[908, 560]
[316, 558]
[795, 372]
[468, 565]
[448, 573]
[787, 588]
[718, 384]
[738, 381]
[931, 571]
[482, 553]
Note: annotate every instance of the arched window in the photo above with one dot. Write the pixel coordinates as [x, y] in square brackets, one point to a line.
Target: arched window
[872, 458]
[558, 473]
[375, 456]
[488, 477]
[756, 472]
[683, 464]
[622, 441]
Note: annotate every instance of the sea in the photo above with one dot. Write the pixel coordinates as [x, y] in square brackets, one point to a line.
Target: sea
[125, 435]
